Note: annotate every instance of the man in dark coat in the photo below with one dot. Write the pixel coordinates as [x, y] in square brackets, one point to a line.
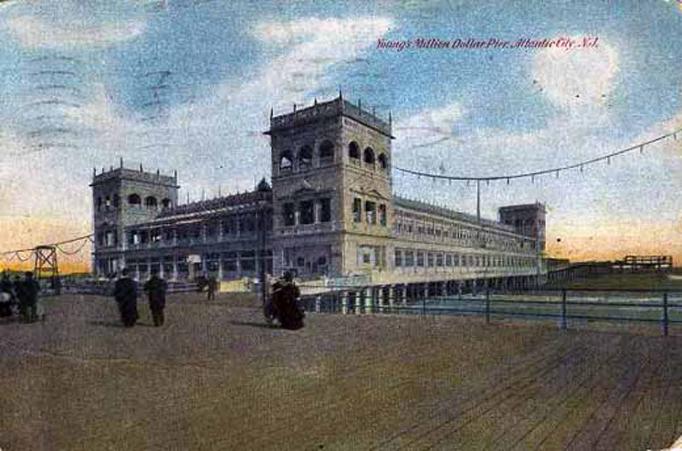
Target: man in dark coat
[27, 292]
[212, 285]
[156, 291]
[125, 293]
[284, 301]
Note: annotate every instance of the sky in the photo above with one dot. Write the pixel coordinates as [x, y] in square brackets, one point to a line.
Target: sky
[189, 84]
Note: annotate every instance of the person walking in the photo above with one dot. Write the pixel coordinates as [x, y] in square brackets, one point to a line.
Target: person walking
[212, 287]
[28, 297]
[156, 289]
[125, 293]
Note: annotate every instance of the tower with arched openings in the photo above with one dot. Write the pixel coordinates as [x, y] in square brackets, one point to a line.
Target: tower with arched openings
[123, 197]
[331, 177]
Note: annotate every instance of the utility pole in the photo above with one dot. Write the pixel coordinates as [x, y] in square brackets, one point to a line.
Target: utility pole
[262, 223]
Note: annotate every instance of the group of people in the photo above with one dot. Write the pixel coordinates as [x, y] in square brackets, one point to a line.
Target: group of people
[281, 305]
[126, 293]
[22, 293]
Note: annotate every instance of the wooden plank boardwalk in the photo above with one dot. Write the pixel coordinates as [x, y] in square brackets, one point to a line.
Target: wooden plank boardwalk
[215, 378]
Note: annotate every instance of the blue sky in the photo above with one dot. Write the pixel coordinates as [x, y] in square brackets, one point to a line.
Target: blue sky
[188, 85]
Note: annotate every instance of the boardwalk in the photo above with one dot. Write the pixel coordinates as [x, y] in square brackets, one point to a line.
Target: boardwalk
[214, 378]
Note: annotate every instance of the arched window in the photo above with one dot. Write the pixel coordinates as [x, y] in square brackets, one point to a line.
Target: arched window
[354, 152]
[99, 203]
[305, 158]
[326, 152]
[134, 199]
[369, 156]
[382, 161]
[167, 203]
[150, 202]
[285, 162]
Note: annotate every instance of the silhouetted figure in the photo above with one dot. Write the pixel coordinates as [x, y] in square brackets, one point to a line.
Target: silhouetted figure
[212, 285]
[27, 294]
[156, 289]
[6, 296]
[284, 302]
[125, 293]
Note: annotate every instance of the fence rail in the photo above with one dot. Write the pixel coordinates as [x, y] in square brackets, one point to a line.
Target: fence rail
[563, 305]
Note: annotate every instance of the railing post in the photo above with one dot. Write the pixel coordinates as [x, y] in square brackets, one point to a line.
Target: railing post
[487, 306]
[345, 298]
[318, 303]
[665, 314]
[563, 309]
[391, 297]
[423, 306]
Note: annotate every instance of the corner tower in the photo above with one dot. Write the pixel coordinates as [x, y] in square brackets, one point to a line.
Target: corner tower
[123, 197]
[331, 182]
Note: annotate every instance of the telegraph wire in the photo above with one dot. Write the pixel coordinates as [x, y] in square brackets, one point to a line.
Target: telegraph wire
[556, 170]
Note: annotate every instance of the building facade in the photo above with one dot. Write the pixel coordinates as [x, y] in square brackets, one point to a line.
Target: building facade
[330, 213]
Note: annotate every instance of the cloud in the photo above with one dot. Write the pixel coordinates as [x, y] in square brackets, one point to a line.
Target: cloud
[37, 32]
[429, 127]
[578, 78]
[313, 46]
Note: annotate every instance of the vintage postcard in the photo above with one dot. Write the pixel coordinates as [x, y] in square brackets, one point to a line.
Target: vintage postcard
[338, 225]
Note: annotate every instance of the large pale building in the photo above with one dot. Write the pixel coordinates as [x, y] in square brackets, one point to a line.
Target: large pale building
[330, 213]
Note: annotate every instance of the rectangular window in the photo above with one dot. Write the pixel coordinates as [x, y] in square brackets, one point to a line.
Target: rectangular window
[448, 260]
[357, 210]
[247, 224]
[429, 258]
[398, 258]
[370, 211]
[155, 235]
[307, 209]
[228, 226]
[382, 214]
[325, 210]
[439, 260]
[420, 258]
[289, 214]
[368, 255]
[230, 265]
[409, 258]
[247, 261]
[168, 235]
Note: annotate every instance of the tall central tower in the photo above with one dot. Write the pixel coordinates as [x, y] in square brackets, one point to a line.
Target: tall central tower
[331, 183]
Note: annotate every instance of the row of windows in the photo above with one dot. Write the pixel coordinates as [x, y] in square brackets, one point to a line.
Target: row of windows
[305, 212]
[109, 202]
[368, 156]
[230, 261]
[107, 238]
[419, 258]
[370, 210]
[229, 226]
[459, 234]
[303, 159]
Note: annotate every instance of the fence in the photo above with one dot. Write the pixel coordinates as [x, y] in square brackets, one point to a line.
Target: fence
[563, 305]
